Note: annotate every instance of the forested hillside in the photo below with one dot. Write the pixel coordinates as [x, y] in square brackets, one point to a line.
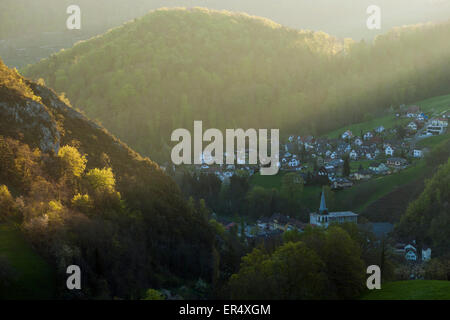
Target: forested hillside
[427, 219]
[83, 197]
[171, 67]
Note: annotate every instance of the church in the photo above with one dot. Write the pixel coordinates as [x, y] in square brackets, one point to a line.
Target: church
[324, 218]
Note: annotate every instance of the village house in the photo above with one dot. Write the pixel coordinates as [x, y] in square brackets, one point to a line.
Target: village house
[363, 174]
[412, 126]
[378, 168]
[413, 111]
[379, 129]
[323, 218]
[421, 117]
[368, 135]
[336, 163]
[435, 130]
[341, 183]
[411, 253]
[358, 141]
[347, 135]
[417, 153]
[389, 151]
[369, 156]
[439, 122]
[426, 254]
[322, 172]
[396, 162]
[353, 155]
[331, 170]
[294, 163]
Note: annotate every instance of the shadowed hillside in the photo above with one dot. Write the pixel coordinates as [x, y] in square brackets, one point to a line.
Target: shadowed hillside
[83, 197]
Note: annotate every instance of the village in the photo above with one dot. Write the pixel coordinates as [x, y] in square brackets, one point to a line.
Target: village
[379, 151]
[370, 154]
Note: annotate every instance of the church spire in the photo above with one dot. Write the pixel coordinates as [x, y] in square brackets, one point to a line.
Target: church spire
[323, 206]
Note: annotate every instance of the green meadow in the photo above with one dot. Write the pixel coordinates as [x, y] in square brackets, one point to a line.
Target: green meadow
[33, 277]
[411, 290]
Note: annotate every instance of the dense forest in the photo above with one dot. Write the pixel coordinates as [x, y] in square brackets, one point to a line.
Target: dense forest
[83, 197]
[173, 66]
[427, 219]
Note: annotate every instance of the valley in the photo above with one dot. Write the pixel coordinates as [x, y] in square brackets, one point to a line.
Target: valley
[103, 165]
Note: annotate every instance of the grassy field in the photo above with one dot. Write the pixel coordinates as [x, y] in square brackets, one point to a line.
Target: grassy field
[433, 106]
[354, 165]
[310, 195]
[362, 195]
[34, 277]
[434, 141]
[356, 198]
[268, 182]
[388, 121]
[411, 290]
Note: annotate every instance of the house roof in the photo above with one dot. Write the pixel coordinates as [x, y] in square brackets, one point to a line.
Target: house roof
[395, 159]
[365, 171]
[413, 108]
[381, 229]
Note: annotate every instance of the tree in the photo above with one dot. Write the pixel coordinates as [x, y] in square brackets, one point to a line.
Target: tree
[291, 236]
[260, 202]
[292, 185]
[83, 203]
[251, 282]
[152, 294]
[401, 132]
[345, 269]
[316, 264]
[292, 272]
[346, 169]
[6, 202]
[73, 162]
[101, 180]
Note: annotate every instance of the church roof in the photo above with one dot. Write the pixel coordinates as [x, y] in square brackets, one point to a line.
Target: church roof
[323, 205]
[343, 214]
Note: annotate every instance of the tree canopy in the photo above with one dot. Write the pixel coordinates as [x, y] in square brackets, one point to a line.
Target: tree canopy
[174, 66]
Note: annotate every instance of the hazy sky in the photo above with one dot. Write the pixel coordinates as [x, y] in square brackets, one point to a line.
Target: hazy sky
[344, 18]
[341, 18]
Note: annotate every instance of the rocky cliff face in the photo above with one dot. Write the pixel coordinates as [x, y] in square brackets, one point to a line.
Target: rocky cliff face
[32, 119]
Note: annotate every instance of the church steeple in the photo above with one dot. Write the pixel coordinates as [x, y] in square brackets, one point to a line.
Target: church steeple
[323, 206]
